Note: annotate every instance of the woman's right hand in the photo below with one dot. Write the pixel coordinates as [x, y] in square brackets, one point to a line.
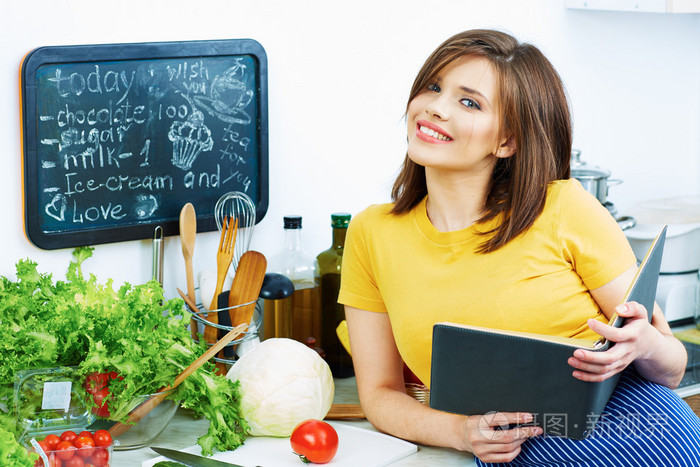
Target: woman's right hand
[490, 439]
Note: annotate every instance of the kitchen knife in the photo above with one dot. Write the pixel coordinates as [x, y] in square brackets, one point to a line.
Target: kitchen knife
[192, 459]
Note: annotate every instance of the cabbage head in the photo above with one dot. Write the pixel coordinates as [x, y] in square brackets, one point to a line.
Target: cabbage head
[282, 383]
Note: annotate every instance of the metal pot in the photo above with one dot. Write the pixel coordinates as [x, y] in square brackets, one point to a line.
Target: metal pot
[593, 178]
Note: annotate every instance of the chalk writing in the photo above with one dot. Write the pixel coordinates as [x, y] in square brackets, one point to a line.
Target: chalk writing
[121, 141]
[76, 83]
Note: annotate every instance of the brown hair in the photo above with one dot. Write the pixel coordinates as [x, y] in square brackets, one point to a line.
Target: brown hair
[533, 110]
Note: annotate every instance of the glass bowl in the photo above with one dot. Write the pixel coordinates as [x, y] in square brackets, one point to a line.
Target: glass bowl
[146, 430]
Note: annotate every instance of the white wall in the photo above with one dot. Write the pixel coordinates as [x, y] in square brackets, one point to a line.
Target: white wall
[339, 74]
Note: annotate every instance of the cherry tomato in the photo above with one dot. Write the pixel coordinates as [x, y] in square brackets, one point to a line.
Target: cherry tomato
[44, 445]
[65, 450]
[96, 381]
[100, 458]
[85, 434]
[69, 436]
[102, 438]
[99, 397]
[53, 462]
[52, 441]
[85, 445]
[75, 461]
[97, 384]
[314, 441]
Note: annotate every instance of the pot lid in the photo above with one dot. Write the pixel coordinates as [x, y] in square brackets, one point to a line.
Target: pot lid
[650, 231]
[581, 169]
[676, 210]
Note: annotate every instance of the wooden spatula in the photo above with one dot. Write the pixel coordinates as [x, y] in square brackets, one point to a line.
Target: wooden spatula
[246, 287]
[188, 233]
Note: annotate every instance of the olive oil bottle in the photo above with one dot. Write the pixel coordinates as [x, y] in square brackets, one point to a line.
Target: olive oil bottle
[302, 318]
[332, 313]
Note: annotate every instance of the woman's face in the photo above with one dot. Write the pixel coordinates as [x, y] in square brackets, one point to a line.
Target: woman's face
[454, 123]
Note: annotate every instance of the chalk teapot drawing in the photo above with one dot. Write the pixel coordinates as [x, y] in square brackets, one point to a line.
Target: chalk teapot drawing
[228, 96]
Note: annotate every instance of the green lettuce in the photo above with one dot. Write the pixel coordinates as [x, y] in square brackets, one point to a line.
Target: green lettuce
[12, 454]
[133, 331]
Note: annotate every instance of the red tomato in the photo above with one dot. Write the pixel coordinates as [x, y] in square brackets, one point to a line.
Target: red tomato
[85, 434]
[102, 438]
[314, 441]
[100, 458]
[65, 450]
[53, 462]
[96, 381]
[85, 446]
[75, 461]
[99, 397]
[52, 441]
[68, 436]
[97, 384]
[44, 445]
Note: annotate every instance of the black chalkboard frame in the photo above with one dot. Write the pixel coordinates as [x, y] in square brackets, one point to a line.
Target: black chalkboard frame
[118, 52]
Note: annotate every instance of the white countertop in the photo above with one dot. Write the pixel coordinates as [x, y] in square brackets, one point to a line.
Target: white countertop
[183, 431]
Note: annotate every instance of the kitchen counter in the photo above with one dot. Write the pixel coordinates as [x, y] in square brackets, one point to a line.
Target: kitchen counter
[183, 431]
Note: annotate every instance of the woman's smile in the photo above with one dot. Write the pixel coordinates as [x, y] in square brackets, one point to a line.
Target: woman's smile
[431, 133]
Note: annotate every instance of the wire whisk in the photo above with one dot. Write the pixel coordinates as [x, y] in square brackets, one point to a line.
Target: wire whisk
[237, 205]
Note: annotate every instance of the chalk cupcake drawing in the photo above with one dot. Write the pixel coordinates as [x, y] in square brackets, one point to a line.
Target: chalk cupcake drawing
[228, 96]
[189, 139]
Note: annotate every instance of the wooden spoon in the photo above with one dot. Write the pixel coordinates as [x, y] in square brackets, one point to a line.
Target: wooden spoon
[188, 232]
[246, 286]
[142, 410]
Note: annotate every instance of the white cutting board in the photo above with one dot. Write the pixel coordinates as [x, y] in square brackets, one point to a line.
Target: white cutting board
[356, 447]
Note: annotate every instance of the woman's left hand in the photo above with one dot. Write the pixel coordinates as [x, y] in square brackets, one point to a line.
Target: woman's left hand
[632, 342]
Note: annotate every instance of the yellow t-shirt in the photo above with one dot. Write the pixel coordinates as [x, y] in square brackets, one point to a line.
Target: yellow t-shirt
[538, 282]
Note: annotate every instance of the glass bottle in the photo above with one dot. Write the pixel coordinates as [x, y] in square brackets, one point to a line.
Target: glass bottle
[302, 269]
[332, 313]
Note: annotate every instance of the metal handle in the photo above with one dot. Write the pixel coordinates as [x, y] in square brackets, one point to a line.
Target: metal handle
[157, 268]
[626, 222]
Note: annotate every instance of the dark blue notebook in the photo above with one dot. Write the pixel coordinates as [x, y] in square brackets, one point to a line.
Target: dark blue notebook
[478, 370]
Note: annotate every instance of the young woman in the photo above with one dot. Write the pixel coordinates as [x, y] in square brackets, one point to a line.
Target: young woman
[486, 228]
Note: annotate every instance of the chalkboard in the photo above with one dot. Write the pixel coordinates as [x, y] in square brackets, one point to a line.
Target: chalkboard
[118, 137]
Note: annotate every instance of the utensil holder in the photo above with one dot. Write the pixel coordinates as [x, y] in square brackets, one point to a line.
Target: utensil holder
[199, 316]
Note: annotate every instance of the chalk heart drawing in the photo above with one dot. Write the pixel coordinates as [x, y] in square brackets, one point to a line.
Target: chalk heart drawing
[57, 207]
[228, 97]
[145, 206]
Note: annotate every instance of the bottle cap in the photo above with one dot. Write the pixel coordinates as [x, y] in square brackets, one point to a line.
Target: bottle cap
[340, 220]
[292, 222]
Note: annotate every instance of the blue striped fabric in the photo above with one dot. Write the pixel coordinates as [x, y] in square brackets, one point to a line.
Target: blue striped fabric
[644, 424]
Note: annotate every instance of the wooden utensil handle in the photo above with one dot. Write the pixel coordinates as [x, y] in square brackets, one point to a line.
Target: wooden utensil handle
[152, 402]
[213, 350]
[137, 414]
